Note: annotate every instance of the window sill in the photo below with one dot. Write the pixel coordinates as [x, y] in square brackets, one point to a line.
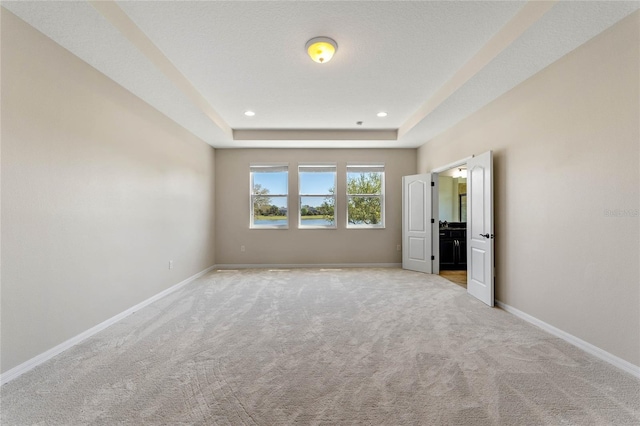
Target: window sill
[317, 227]
[268, 227]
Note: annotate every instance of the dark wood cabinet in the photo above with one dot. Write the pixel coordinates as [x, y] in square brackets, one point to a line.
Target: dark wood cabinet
[462, 253]
[453, 249]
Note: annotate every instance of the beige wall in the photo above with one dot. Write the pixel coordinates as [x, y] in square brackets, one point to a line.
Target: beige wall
[99, 192]
[566, 145]
[306, 246]
[445, 198]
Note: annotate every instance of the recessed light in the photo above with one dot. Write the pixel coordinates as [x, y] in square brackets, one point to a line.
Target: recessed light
[249, 113]
[382, 114]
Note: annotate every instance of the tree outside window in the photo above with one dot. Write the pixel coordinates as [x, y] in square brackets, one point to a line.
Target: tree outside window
[365, 196]
[317, 198]
[269, 196]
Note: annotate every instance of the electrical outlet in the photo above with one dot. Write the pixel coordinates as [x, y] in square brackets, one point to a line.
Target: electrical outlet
[398, 247]
[171, 264]
[242, 249]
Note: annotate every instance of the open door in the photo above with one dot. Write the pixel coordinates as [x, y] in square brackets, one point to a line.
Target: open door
[480, 238]
[416, 223]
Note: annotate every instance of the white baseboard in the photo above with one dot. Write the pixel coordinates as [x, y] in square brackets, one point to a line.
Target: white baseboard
[45, 356]
[630, 368]
[306, 265]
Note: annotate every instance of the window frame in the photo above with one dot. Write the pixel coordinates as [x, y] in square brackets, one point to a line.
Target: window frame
[370, 168]
[267, 168]
[325, 165]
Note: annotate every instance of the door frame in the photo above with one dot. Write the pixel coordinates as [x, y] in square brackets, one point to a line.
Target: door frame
[435, 212]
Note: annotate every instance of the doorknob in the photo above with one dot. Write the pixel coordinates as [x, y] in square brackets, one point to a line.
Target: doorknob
[485, 235]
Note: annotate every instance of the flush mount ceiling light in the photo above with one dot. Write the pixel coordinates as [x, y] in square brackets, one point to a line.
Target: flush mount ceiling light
[321, 49]
[249, 113]
[382, 114]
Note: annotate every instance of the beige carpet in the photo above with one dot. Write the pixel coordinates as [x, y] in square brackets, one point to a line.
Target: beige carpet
[312, 347]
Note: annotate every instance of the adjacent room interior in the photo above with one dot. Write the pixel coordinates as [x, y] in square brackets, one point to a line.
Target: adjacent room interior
[452, 224]
[203, 218]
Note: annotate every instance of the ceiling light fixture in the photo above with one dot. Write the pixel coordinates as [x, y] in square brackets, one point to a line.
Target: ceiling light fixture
[460, 173]
[249, 113]
[321, 49]
[382, 114]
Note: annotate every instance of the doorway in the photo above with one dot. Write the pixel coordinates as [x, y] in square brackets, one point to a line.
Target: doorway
[452, 224]
[470, 239]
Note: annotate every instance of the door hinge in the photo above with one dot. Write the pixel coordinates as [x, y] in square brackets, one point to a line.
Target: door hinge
[433, 258]
[433, 184]
[433, 221]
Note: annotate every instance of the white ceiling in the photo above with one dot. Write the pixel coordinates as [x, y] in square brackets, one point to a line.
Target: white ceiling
[428, 64]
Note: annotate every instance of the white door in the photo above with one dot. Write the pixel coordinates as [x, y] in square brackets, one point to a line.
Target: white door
[480, 227]
[416, 223]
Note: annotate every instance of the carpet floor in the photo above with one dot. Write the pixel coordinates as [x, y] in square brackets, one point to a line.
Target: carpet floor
[316, 347]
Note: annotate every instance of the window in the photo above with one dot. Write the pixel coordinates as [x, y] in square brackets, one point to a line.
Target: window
[365, 196]
[317, 196]
[269, 196]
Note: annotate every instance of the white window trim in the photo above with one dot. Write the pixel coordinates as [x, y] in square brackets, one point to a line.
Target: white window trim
[253, 166]
[365, 166]
[334, 166]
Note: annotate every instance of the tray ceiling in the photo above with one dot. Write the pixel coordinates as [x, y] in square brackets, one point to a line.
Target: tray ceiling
[427, 64]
